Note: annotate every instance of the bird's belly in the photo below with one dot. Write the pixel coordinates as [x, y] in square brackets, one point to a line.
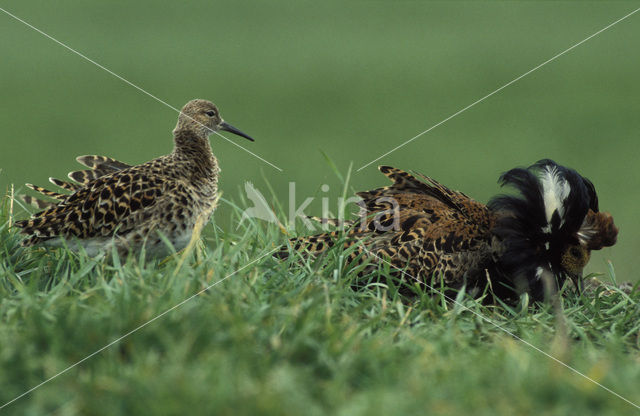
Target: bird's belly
[181, 240]
[91, 246]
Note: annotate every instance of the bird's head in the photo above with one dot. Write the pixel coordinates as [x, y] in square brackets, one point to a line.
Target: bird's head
[202, 118]
[550, 228]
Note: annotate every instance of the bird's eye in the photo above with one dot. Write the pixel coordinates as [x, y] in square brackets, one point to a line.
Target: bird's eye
[210, 113]
[575, 252]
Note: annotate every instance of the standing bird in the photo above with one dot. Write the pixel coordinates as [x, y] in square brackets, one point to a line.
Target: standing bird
[115, 204]
[516, 241]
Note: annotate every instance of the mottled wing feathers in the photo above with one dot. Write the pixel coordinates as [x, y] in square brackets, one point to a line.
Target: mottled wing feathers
[419, 194]
[102, 162]
[36, 203]
[100, 166]
[441, 241]
[332, 221]
[547, 229]
[46, 192]
[98, 208]
[72, 187]
[422, 227]
[473, 210]
[407, 183]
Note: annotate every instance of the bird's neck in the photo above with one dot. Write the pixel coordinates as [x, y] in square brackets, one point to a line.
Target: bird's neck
[195, 152]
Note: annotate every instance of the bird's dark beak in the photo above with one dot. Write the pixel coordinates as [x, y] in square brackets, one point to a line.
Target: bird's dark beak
[228, 127]
[576, 278]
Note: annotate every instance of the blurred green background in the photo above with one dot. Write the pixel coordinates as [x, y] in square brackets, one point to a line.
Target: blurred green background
[351, 79]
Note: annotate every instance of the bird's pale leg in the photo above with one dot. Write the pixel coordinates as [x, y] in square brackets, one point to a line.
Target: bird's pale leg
[201, 221]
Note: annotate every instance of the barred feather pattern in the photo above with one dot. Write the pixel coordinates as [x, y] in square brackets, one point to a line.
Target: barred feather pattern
[115, 204]
[420, 227]
[132, 201]
[100, 166]
[548, 228]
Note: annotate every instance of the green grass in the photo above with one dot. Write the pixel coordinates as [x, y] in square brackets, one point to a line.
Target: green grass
[345, 81]
[291, 338]
[348, 80]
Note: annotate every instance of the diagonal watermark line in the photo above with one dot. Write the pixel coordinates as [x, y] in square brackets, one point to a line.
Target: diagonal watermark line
[128, 82]
[503, 329]
[248, 151]
[498, 90]
[117, 340]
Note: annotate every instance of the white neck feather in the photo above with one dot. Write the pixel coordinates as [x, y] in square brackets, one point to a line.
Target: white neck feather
[555, 190]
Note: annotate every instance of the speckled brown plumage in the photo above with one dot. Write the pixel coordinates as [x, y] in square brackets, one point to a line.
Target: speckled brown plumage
[428, 230]
[115, 203]
[100, 166]
[436, 230]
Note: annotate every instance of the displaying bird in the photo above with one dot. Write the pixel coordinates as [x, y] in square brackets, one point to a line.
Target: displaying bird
[424, 230]
[113, 204]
